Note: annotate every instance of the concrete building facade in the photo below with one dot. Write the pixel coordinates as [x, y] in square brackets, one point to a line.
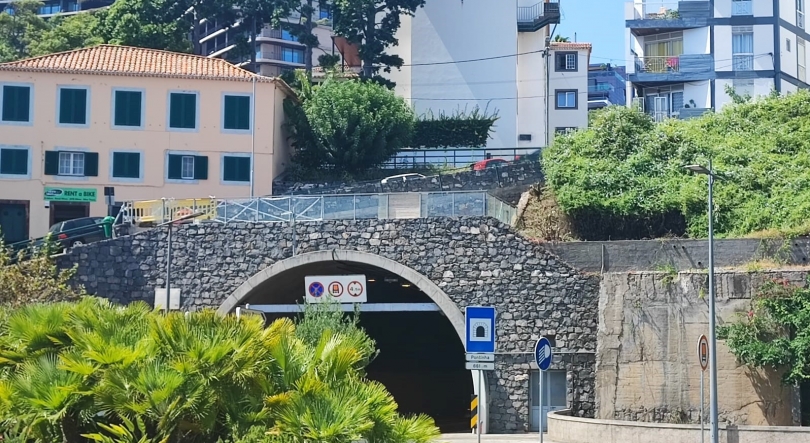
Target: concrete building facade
[151, 124]
[568, 85]
[683, 55]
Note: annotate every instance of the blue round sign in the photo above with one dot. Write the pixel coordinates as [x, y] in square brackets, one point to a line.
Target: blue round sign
[316, 289]
[542, 353]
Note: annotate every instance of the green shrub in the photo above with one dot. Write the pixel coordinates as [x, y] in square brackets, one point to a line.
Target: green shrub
[624, 176]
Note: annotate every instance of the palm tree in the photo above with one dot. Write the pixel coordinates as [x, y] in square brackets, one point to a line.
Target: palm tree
[560, 39]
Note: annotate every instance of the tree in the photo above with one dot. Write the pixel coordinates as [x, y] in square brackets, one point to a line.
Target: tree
[775, 332]
[20, 29]
[372, 24]
[350, 125]
[67, 33]
[302, 31]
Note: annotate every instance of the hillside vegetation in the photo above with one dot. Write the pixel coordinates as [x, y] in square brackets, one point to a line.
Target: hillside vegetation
[624, 177]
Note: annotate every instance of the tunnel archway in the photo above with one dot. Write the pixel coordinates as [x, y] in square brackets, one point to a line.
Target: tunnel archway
[421, 346]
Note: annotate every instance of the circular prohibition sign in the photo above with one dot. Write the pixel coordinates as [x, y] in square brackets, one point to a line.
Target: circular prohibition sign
[355, 288]
[316, 289]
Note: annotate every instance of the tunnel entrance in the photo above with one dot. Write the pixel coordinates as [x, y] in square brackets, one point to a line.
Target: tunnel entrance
[421, 357]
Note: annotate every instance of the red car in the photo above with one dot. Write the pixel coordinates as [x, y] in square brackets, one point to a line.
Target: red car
[488, 163]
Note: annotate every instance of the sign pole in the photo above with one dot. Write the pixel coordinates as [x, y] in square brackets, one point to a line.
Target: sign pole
[702, 433]
[480, 390]
[542, 356]
[703, 359]
[540, 398]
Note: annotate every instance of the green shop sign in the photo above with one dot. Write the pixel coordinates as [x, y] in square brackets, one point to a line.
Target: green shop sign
[70, 194]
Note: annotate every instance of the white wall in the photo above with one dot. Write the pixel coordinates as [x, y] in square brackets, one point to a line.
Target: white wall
[762, 87]
[788, 88]
[722, 48]
[790, 59]
[402, 77]
[452, 30]
[699, 92]
[569, 118]
[697, 41]
[761, 9]
[763, 44]
[531, 87]
[787, 11]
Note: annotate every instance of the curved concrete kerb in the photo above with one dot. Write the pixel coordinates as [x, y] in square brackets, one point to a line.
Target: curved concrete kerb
[438, 296]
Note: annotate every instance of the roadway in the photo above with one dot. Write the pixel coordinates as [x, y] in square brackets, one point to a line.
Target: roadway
[492, 438]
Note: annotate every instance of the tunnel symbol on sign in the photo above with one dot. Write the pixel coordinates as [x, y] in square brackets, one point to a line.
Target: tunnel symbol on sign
[335, 289]
[481, 329]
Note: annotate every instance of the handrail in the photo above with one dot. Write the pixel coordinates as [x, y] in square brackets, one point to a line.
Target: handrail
[528, 14]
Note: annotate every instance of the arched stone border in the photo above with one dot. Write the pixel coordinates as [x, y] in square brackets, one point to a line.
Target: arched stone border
[447, 306]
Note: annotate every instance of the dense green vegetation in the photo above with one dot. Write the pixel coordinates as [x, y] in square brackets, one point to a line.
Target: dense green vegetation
[459, 129]
[624, 177]
[94, 371]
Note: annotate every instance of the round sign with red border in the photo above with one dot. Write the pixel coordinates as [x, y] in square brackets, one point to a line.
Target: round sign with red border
[335, 289]
[316, 289]
[355, 288]
[703, 352]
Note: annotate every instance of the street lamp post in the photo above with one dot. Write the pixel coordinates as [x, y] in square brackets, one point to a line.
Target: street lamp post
[708, 171]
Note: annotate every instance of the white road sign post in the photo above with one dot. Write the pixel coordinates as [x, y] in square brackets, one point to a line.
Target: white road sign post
[703, 359]
[479, 344]
[542, 356]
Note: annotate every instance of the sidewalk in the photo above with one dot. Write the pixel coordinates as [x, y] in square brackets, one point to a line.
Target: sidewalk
[493, 438]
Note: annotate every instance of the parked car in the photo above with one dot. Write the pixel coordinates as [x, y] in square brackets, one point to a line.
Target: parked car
[402, 177]
[489, 163]
[79, 231]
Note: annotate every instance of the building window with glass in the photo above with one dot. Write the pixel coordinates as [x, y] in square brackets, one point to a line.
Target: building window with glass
[742, 48]
[800, 13]
[566, 99]
[73, 105]
[801, 59]
[662, 52]
[16, 104]
[292, 55]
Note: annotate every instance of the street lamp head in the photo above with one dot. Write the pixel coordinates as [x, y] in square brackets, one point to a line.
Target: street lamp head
[698, 169]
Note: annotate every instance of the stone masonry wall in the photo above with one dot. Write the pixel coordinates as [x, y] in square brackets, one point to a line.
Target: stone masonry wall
[474, 260]
[512, 175]
[646, 361]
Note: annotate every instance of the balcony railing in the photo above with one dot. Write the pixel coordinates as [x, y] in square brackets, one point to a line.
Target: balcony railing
[800, 19]
[600, 87]
[742, 7]
[543, 13]
[743, 62]
[289, 57]
[660, 10]
[658, 64]
[278, 34]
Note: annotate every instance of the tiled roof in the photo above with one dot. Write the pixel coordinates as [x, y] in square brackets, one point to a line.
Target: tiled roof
[571, 46]
[131, 61]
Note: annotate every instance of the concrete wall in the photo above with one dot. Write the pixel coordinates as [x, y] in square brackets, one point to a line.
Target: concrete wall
[474, 260]
[563, 428]
[520, 174]
[681, 254]
[153, 140]
[646, 362]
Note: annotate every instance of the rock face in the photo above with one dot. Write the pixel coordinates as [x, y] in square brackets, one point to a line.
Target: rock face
[474, 260]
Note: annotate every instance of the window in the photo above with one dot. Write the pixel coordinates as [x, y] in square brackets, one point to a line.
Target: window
[661, 52]
[236, 112]
[801, 56]
[787, 44]
[292, 55]
[566, 99]
[127, 107]
[16, 104]
[183, 110]
[187, 167]
[235, 169]
[13, 161]
[126, 165]
[800, 13]
[71, 163]
[742, 48]
[565, 61]
[72, 106]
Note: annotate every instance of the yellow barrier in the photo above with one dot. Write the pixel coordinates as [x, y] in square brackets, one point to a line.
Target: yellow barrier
[160, 211]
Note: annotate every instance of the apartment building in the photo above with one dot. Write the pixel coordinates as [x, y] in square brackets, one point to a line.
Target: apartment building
[149, 124]
[568, 84]
[51, 8]
[607, 85]
[682, 55]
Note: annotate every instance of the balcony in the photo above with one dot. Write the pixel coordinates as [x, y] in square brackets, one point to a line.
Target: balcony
[290, 58]
[743, 62]
[673, 68]
[742, 7]
[656, 16]
[534, 18]
[276, 35]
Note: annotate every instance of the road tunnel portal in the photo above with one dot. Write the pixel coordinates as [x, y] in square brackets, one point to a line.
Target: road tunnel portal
[420, 353]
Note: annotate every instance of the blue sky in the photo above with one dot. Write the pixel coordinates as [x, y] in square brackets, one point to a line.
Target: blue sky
[599, 22]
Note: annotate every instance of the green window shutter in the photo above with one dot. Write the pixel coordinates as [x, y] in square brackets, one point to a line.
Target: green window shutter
[237, 112]
[51, 162]
[183, 111]
[175, 167]
[91, 164]
[73, 106]
[236, 169]
[200, 167]
[16, 104]
[128, 108]
[126, 165]
[14, 161]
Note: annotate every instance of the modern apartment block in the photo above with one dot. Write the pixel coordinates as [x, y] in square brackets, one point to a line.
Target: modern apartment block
[607, 85]
[485, 53]
[568, 85]
[683, 54]
[51, 8]
[150, 124]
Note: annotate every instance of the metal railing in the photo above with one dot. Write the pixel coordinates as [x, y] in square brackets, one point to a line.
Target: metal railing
[297, 58]
[323, 207]
[454, 157]
[658, 64]
[278, 35]
[600, 87]
[743, 62]
[744, 7]
[528, 14]
[800, 19]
